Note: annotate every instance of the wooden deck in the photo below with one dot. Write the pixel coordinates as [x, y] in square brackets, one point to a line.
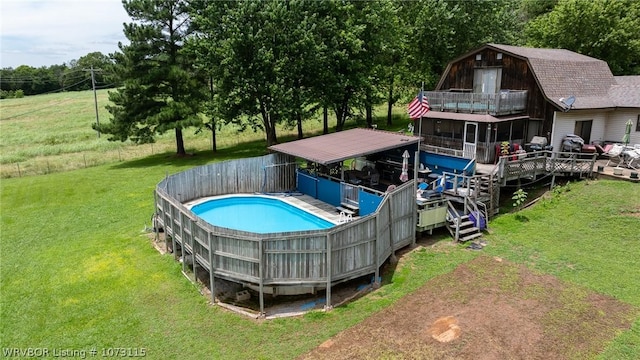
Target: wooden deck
[289, 263]
[602, 171]
[314, 206]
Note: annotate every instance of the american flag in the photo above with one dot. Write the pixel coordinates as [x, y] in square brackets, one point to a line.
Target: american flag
[418, 106]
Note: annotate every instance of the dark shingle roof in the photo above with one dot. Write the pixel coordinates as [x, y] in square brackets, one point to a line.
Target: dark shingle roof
[562, 73]
[627, 91]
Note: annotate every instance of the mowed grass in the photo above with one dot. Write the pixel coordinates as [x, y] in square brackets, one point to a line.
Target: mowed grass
[77, 271]
[51, 133]
[586, 233]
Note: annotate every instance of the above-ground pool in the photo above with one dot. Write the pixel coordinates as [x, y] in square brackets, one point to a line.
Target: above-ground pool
[258, 214]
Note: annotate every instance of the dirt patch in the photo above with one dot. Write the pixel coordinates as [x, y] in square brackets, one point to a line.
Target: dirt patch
[486, 309]
[445, 329]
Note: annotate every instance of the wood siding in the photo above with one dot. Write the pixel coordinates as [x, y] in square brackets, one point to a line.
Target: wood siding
[516, 75]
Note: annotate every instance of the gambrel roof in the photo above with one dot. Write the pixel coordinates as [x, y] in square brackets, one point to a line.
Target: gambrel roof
[562, 73]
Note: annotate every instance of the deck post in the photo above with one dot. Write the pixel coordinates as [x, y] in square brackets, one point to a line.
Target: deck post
[261, 275]
[327, 305]
[184, 246]
[156, 233]
[212, 280]
[391, 229]
[376, 283]
[193, 252]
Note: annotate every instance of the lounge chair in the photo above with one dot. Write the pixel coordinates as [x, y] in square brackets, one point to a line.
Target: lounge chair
[632, 158]
[614, 153]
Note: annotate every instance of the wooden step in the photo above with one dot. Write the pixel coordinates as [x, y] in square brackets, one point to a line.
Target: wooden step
[470, 237]
[469, 230]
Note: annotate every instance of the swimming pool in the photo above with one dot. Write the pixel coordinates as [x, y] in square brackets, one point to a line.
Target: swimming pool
[258, 214]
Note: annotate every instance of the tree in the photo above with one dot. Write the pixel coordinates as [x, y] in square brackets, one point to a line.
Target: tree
[608, 31]
[261, 57]
[102, 65]
[348, 59]
[162, 90]
[443, 30]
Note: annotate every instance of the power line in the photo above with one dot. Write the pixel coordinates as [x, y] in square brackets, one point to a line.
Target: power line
[66, 87]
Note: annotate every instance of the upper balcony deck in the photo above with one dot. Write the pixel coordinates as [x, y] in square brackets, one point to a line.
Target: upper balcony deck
[503, 103]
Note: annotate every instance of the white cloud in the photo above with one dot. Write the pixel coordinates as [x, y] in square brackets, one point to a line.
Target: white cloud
[50, 32]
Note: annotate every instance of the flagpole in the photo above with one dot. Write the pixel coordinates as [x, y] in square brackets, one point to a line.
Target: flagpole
[416, 162]
[420, 125]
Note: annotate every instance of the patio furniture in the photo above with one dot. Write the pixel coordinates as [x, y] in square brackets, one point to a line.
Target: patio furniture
[614, 153]
[632, 158]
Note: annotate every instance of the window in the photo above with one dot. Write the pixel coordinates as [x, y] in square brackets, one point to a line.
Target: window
[638, 124]
[487, 81]
[583, 129]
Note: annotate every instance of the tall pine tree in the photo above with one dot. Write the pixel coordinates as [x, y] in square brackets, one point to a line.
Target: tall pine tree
[162, 90]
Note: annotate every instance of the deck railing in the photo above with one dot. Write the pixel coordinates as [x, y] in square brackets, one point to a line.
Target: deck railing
[318, 258]
[503, 103]
[533, 164]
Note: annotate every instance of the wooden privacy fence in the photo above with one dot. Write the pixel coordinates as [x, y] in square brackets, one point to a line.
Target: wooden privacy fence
[317, 258]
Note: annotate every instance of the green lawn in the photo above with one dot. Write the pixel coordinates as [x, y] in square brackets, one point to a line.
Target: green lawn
[77, 272]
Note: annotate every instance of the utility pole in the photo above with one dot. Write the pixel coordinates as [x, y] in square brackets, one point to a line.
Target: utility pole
[95, 100]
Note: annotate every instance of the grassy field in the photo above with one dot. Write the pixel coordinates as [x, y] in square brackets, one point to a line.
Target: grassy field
[52, 133]
[78, 273]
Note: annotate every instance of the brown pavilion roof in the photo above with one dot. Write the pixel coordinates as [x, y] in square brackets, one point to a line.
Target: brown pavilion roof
[343, 145]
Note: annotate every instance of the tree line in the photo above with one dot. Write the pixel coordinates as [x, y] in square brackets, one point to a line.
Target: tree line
[74, 76]
[263, 63]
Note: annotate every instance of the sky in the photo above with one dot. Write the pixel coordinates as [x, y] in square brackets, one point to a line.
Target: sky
[53, 32]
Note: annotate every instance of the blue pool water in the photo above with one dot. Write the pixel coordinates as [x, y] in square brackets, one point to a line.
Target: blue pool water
[258, 214]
